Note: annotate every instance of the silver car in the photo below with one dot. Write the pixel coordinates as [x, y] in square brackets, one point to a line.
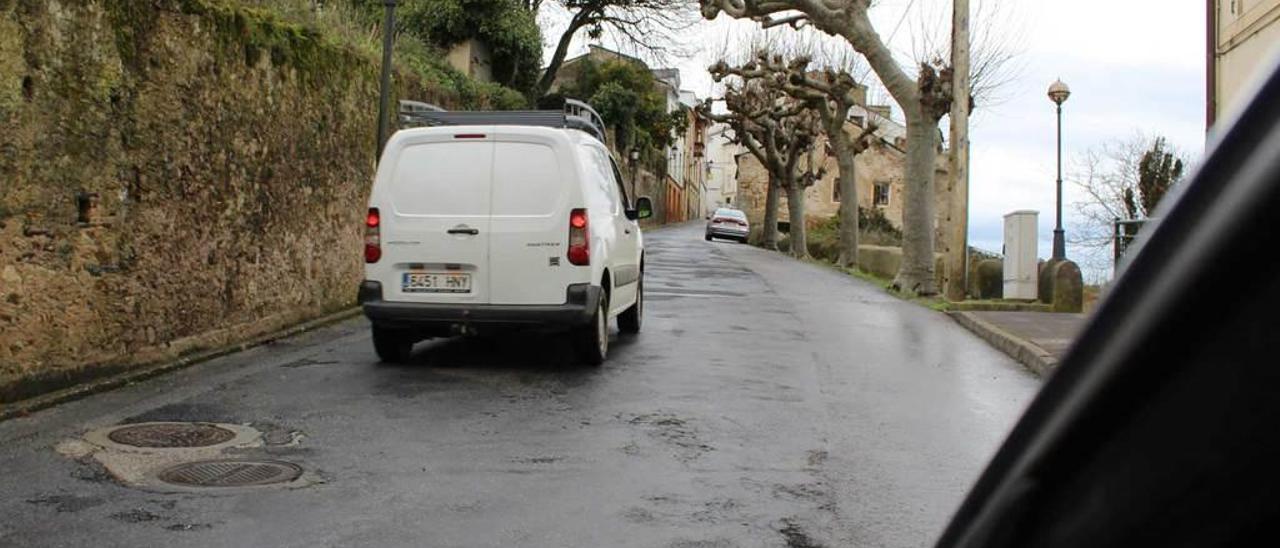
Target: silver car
[730, 224]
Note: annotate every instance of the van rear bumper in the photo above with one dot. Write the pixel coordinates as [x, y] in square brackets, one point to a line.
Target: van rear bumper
[581, 301]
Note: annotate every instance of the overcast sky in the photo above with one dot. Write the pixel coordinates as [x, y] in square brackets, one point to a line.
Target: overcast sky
[1132, 65]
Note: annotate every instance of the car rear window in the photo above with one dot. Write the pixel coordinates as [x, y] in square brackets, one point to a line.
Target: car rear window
[450, 178]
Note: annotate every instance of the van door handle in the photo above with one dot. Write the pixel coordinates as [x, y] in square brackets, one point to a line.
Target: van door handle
[627, 230]
[471, 231]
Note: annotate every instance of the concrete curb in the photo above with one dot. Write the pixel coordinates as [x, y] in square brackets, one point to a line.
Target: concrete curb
[31, 405]
[1037, 359]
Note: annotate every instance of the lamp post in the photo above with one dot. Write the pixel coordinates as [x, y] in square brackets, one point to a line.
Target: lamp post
[634, 156]
[388, 35]
[1058, 93]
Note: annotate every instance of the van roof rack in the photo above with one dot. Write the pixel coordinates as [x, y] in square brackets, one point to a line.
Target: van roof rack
[575, 115]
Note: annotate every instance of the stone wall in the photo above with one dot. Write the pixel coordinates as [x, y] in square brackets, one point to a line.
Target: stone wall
[175, 175]
[884, 261]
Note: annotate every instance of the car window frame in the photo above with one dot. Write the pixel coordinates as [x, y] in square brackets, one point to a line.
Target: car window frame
[622, 188]
[600, 170]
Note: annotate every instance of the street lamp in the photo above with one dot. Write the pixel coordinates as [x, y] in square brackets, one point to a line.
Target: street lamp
[1058, 93]
[388, 34]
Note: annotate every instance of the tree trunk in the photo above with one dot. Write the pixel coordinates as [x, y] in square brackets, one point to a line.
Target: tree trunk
[557, 58]
[769, 239]
[848, 213]
[916, 273]
[795, 210]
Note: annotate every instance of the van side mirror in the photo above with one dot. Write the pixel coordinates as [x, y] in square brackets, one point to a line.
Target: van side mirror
[643, 210]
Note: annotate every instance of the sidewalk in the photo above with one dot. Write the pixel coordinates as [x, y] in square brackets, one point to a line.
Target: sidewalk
[1037, 339]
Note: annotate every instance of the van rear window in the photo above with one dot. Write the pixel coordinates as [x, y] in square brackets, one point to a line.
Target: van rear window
[449, 178]
[526, 180]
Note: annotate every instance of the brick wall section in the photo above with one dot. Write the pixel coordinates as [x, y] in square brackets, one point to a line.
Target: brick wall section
[230, 157]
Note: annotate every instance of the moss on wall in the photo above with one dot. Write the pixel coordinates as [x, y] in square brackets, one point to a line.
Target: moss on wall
[228, 154]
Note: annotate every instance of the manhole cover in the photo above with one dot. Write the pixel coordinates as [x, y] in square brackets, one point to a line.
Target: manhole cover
[171, 435]
[231, 473]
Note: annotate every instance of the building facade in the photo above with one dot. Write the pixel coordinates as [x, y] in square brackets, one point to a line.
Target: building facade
[722, 168]
[680, 197]
[879, 173]
[1244, 36]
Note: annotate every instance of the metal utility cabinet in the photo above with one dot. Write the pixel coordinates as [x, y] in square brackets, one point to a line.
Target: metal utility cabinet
[1020, 254]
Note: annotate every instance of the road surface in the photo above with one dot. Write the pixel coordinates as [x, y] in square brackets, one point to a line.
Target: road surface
[767, 402]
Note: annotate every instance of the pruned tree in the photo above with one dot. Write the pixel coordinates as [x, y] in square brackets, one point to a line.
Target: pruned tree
[1121, 180]
[652, 26]
[924, 100]
[831, 93]
[780, 131]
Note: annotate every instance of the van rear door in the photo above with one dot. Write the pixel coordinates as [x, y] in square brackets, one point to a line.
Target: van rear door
[436, 235]
[533, 183]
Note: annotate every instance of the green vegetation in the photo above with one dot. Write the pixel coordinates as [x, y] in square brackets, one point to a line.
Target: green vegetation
[509, 30]
[629, 100]
[874, 228]
[425, 29]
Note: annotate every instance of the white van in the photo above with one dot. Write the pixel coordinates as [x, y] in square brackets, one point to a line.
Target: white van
[494, 220]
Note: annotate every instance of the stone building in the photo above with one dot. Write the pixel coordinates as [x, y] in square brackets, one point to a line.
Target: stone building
[678, 194]
[880, 175]
[1243, 35]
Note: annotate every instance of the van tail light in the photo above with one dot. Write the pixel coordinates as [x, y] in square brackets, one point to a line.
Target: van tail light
[579, 238]
[372, 236]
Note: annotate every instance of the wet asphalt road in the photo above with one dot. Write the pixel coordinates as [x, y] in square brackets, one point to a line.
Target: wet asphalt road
[766, 403]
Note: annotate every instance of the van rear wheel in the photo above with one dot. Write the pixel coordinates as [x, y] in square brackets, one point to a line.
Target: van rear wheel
[391, 345]
[629, 321]
[592, 340]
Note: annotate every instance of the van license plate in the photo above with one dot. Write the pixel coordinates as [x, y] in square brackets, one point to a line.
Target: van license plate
[430, 282]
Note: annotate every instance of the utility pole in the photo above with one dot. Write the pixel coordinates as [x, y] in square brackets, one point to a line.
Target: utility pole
[388, 35]
[958, 229]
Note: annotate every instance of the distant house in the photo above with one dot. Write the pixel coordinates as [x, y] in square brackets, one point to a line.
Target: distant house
[1243, 37]
[879, 171]
[571, 68]
[473, 58]
[684, 182]
[722, 168]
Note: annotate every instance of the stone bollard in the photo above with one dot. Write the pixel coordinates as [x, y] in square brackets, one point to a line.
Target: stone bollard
[1062, 286]
[986, 281]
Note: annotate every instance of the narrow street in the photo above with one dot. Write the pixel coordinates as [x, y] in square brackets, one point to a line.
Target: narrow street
[767, 402]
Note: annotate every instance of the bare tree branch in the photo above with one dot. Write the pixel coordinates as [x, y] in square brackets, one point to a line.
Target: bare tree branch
[649, 25]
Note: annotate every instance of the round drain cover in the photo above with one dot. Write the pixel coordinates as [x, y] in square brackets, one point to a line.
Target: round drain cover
[231, 473]
[171, 434]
